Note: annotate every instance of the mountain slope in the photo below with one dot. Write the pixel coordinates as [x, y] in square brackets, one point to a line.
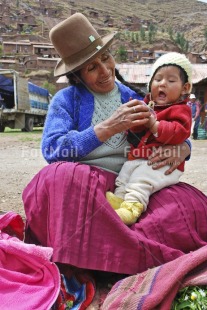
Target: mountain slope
[186, 17]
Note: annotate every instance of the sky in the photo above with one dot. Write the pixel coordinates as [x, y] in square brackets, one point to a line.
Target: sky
[203, 1]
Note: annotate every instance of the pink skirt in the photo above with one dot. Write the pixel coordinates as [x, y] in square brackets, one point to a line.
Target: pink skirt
[66, 209]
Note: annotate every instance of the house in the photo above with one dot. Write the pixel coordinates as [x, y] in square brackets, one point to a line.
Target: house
[196, 58]
[93, 14]
[26, 23]
[109, 21]
[44, 50]
[157, 54]
[135, 24]
[8, 63]
[46, 63]
[40, 63]
[130, 55]
[18, 47]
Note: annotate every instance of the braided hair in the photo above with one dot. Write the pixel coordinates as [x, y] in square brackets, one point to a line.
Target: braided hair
[122, 80]
[72, 77]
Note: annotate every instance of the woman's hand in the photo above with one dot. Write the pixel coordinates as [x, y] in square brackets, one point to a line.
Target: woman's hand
[128, 115]
[171, 155]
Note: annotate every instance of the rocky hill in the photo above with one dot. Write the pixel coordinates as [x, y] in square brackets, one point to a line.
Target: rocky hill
[187, 18]
[169, 18]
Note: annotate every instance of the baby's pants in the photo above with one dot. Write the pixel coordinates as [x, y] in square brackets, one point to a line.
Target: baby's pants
[137, 181]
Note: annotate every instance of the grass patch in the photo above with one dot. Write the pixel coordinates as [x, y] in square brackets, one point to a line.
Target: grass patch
[34, 136]
[18, 131]
[26, 139]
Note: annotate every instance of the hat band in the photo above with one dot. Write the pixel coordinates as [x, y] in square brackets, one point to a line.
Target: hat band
[96, 44]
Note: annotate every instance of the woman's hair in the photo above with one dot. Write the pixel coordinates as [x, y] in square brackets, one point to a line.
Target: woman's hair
[72, 77]
[122, 80]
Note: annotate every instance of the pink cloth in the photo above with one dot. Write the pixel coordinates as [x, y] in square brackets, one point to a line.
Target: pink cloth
[66, 209]
[28, 279]
[157, 287]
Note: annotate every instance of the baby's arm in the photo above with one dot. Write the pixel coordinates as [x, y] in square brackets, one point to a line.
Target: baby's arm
[172, 126]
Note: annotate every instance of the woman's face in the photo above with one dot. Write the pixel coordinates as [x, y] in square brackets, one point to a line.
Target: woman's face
[99, 75]
[167, 86]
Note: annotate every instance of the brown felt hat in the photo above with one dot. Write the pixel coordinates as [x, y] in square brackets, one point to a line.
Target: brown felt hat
[77, 43]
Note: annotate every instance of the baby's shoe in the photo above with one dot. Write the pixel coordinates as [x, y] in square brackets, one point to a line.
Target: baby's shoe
[114, 200]
[129, 212]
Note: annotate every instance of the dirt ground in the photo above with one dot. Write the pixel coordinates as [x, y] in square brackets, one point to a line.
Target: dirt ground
[21, 159]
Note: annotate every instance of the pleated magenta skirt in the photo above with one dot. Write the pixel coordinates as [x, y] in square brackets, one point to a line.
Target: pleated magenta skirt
[66, 209]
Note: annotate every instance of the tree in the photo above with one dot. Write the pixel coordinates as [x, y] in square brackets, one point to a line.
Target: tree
[152, 28]
[205, 33]
[177, 39]
[122, 53]
[142, 34]
[186, 46]
[134, 38]
[127, 35]
[170, 32]
[182, 42]
[150, 36]
[50, 87]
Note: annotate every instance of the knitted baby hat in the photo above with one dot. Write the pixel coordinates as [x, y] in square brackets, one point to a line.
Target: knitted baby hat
[172, 58]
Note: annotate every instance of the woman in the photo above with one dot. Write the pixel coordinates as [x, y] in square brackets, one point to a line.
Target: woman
[85, 143]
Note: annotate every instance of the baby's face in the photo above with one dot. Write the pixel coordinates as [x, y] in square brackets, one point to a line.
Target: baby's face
[167, 86]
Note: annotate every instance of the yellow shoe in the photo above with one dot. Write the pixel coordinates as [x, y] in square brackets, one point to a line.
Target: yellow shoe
[129, 212]
[114, 200]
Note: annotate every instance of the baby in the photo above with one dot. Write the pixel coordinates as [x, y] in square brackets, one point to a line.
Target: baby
[170, 123]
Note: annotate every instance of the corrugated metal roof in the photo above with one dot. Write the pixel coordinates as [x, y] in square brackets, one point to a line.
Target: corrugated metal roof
[139, 73]
[199, 72]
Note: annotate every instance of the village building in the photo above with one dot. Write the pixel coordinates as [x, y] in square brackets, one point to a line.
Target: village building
[18, 47]
[196, 58]
[44, 50]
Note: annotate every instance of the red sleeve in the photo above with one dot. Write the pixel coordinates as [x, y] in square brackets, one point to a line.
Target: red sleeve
[175, 124]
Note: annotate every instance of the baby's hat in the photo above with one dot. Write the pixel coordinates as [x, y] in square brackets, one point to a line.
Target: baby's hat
[172, 58]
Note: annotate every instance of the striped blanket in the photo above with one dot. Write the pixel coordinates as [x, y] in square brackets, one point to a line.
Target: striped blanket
[157, 287]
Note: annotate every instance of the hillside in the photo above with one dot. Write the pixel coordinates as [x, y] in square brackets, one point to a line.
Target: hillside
[140, 24]
[185, 17]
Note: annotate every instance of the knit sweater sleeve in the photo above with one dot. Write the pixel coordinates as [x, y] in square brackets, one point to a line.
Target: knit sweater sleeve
[61, 140]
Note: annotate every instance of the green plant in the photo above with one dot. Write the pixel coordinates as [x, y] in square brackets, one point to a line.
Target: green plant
[170, 32]
[150, 36]
[122, 53]
[142, 34]
[205, 33]
[133, 38]
[50, 87]
[191, 298]
[182, 42]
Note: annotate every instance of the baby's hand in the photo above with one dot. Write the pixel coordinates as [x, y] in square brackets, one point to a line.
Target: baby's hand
[151, 122]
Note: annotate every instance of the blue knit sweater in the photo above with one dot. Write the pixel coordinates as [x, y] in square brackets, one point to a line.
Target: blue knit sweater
[68, 133]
